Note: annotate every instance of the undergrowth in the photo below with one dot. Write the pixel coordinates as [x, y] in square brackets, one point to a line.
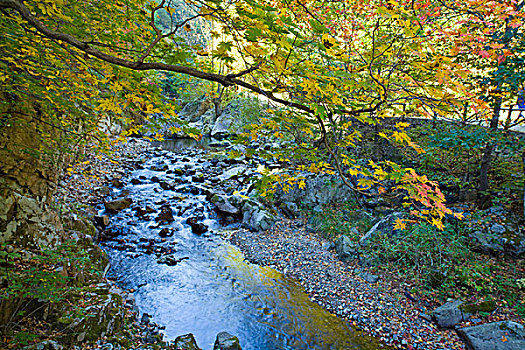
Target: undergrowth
[45, 287]
[435, 264]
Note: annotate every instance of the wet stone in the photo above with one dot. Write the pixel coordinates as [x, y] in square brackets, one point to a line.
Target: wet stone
[165, 216]
[118, 205]
[226, 341]
[166, 232]
[196, 227]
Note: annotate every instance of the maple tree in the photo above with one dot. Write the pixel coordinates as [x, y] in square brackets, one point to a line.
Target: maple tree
[331, 67]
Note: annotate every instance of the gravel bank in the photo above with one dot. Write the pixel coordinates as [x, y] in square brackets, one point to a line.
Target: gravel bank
[380, 309]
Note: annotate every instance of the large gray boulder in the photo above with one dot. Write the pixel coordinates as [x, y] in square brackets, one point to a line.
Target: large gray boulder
[449, 314]
[256, 217]
[504, 335]
[221, 128]
[224, 205]
[226, 341]
[194, 110]
[346, 249]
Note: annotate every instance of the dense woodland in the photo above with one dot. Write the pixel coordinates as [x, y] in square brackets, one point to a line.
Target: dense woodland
[417, 106]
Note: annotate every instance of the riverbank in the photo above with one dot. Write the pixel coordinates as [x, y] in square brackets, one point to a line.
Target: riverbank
[384, 309]
[380, 309]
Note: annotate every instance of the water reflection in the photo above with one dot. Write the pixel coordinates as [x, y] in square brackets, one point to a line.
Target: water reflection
[213, 289]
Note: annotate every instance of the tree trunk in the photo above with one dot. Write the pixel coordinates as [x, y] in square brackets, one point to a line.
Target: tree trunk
[486, 159]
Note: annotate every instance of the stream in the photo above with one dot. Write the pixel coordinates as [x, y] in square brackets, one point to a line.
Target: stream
[197, 282]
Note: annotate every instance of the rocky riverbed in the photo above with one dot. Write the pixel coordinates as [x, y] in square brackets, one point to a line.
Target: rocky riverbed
[385, 310]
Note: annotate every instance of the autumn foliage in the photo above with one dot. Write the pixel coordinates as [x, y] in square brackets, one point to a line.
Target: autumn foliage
[329, 67]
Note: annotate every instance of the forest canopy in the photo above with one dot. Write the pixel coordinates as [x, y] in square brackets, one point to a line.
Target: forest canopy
[328, 67]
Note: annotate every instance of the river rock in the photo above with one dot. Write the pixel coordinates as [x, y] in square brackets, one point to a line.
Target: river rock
[346, 249]
[166, 232]
[118, 205]
[159, 167]
[167, 185]
[200, 178]
[226, 341]
[449, 314]
[117, 183]
[165, 216]
[223, 205]
[186, 342]
[170, 259]
[504, 335]
[101, 220]
[196, 227]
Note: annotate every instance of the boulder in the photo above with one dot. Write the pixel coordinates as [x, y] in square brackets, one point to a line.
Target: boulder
[233, 173]
[449, 314]
[319, 190]
[170, 259]
[167, 186]
[118, 205]
[487, 242]
[198, 178]
[346, 249]
[504, 335]
[165, 216]
[166, 232]
[256, 217]
[226, 341]
[196, 227]
[186, 342]
[224, 206]
[117, 183]
[221, 128]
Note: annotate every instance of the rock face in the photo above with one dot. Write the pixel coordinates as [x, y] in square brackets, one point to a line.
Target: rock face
[449, 314]
[346, 249]
[505, 335]
[319, 190]
[27, 183]
[226, 341]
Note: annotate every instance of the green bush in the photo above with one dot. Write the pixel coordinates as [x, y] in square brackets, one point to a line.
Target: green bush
[422, 252]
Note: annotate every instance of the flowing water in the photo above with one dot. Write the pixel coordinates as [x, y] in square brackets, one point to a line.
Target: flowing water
[207, 287]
